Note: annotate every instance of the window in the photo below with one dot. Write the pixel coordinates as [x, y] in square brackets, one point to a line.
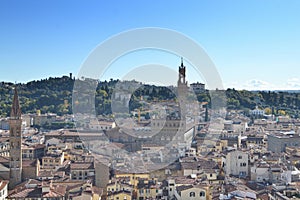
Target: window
[202, 194]
[239, 157]
[192, 194]
[242, 173]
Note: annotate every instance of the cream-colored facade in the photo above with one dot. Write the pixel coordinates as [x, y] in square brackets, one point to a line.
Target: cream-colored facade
[116, 186]
[59, 147]
[82, 171]
[196, 193]
[147, 193]
[52, 161]
[134, 178]
[237, 163]
[121, 195]
[101, 125]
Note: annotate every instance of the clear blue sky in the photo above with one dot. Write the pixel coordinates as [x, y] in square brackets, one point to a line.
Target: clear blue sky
[255, 44]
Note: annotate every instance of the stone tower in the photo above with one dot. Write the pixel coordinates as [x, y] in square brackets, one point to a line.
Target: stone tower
[182, 89]
[182, 83]
[15, 122]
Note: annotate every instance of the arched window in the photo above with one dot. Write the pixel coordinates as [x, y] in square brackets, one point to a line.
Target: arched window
[192, 194]
[202, 194]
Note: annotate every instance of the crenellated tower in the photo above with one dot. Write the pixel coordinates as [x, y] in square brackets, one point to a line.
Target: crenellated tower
[15, 122]
[182, 89]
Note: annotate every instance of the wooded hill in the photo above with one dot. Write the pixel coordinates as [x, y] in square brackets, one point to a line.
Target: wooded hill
[55, 95]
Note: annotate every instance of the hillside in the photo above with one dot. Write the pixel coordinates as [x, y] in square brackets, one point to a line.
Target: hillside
[55, 95]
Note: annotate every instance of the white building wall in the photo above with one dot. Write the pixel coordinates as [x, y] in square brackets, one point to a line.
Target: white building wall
[199, 194]
[259, 174]
[3, 192]
[237, 163]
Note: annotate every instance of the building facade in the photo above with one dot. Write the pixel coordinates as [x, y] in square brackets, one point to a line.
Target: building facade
[237, 163]
[277, 143]
[3, 189]
[198, 87]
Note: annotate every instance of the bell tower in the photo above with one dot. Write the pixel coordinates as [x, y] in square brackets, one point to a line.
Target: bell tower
[181, 74]
[15, 139]
[182, 89]
[181, 83]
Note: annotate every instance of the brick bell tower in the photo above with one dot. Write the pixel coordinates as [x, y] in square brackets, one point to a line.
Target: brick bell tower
[15, 139]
